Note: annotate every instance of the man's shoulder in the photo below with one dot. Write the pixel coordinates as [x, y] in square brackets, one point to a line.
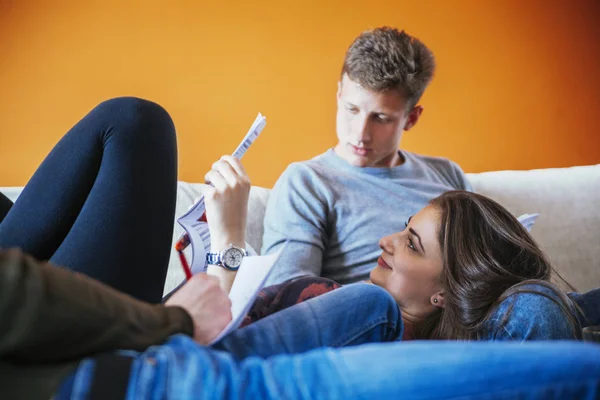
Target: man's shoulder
[441, 164]
[440, 167]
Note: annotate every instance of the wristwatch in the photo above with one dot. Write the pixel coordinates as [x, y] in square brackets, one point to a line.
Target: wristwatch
[230, 258]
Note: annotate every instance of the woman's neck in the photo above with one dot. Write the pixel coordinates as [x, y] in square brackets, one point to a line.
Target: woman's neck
[411, 323]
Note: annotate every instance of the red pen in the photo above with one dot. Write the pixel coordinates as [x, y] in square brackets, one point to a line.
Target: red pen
[181, 244]
[185, 266]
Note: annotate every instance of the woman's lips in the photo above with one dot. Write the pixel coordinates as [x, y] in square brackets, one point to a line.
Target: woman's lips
[382, 263]
[359, 151]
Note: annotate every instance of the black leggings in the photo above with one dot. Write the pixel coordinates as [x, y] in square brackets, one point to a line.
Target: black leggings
[103, 201]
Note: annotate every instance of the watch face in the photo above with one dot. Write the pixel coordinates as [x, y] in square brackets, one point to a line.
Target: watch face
[233, 258]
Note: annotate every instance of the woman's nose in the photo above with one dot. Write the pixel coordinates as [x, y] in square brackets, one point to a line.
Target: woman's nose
[390, 242]
[386, 244]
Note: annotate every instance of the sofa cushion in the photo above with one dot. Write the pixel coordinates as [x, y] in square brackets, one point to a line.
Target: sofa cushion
[568, 228]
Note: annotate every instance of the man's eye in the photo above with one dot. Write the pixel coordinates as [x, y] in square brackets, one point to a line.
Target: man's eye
[352, 109]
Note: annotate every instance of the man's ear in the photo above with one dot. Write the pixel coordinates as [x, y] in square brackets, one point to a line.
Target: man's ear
[413, 117]
[339, 91]
[437, 300]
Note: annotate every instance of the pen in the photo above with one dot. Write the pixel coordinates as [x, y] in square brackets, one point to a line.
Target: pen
[181, 244]
[185, 266]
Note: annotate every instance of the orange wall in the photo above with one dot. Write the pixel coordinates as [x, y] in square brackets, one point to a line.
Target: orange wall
[518, 82]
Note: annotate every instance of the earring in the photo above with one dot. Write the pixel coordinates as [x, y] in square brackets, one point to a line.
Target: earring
[435, 301]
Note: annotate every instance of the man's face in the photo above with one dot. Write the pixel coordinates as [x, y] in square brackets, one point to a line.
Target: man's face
[370, 124]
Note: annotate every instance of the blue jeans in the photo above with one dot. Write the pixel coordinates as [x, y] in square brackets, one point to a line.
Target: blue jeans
[181, 369]
[351, 315]
[361, 313]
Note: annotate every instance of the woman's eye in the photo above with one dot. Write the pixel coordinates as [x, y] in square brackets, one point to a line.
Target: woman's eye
[411, 245]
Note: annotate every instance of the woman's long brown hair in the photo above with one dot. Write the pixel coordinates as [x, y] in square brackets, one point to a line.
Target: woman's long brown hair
[487, 256]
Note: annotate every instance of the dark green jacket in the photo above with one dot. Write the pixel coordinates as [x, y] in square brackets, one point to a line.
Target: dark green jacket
[51, 318]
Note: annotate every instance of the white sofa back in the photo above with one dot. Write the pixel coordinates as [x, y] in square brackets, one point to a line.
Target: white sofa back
[568, 228]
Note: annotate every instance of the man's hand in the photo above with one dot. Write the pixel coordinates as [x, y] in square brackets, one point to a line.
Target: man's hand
[207, 304]
[227, 203]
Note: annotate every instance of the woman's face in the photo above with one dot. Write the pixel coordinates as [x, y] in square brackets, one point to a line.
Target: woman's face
[411, 264]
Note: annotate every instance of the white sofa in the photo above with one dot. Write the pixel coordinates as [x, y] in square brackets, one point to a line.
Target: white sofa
[568, 228]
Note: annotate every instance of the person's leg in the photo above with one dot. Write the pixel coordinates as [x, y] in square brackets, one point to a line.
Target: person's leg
[351, 315]
[103, 201]
[411, 370]
[589, 303]
[532, 316]
[5, 206]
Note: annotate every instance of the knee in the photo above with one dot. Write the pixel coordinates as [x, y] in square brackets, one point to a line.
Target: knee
[368, 293]
[133, 115]
[372, 298]
[134, 106]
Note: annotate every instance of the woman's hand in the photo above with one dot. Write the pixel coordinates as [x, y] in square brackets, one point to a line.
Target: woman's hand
[227, 203]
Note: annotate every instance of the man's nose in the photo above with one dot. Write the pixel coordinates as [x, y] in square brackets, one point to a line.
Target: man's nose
[363, 131]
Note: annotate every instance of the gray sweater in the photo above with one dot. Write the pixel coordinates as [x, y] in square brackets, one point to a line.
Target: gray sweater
[333, 214]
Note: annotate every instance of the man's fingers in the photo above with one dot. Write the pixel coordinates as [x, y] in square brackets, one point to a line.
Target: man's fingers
[227, 172]
[236, 165]
[217, 180]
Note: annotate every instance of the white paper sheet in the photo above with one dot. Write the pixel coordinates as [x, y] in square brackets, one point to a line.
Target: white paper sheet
[249, 280]
[527, 220]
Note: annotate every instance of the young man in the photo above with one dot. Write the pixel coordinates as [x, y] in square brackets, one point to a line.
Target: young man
[334, 208]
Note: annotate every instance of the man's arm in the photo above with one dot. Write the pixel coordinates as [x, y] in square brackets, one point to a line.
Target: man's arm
[52, 314]
[296, 212]
[226, 211]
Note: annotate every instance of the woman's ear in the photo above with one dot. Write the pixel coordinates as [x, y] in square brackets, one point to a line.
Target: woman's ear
[437, 300]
